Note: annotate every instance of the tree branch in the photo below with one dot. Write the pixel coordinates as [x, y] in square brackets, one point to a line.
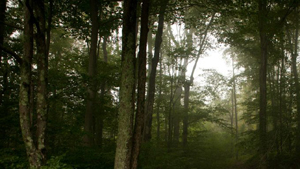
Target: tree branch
[9, 51]
[32, 17]
[12, 25]
[201, 48]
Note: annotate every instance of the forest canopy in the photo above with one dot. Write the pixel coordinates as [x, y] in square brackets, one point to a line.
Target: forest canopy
[115, 84]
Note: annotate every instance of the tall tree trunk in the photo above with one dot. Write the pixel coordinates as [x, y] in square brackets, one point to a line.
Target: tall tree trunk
[235, 110]
[155, 60]
[189, 82]
[3, 67]
[150, 52]
[99, 117]
[90, 107]
[159, 102]
[127, 88]
[273, 85]
[282, 95]
[2, 28]
[24, 96]
[170, 115]
[42, 64]
[4, 102]
[231, 120]
[262, 18]
[177, 108]
[187, 85]
[142, 60]
[296, 81]
[104, 48]
[49, 23]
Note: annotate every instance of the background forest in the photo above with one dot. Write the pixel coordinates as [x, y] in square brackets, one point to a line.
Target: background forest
[115, 84]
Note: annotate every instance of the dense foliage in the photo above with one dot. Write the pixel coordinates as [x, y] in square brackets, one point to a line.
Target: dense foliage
[249, 118]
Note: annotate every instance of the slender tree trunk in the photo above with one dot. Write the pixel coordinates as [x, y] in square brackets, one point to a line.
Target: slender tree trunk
[282, 99]
[4, 102]
[189, 82]
[170, 115]
[177, 107]
[159, 102]
[3, 67]
[155, 60]
[90, 108]
[296, 81]
[290, 113]
[235, 111]
[187, 85]
[150, 53]
[42, 64]
[231, 120]
[186, 110]
[202, 46]
[262, 12]
[142, 61]
[99, 125]
[127, 88]
[104, 48]
[49, 23]
[273, 96]
[2, 28]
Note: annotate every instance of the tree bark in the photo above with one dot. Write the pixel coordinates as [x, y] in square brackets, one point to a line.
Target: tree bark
[262, 14]
[142, 60]
[2, 28]
[127, 88]
[150, 52]
[3, 68]
[90, 107]
[42, 67]
[231, 121]
[296, 81]
[99, 117]
[282, 94]
[155, 60]
[49, 23]
[34, 156]
[159, 102]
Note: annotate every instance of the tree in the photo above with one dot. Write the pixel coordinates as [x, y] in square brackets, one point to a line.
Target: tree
[262, 9]
[42, 68]
[140, 112]
[188, 83]
[3, 91]
[127, 88]
[35, 146]
[2, 28]
[234, 107]
[92, 89]
[154, 62]
[24, 102]
[293, 42]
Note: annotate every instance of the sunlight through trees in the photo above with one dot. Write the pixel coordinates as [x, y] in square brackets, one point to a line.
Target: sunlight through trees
[146, 84]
